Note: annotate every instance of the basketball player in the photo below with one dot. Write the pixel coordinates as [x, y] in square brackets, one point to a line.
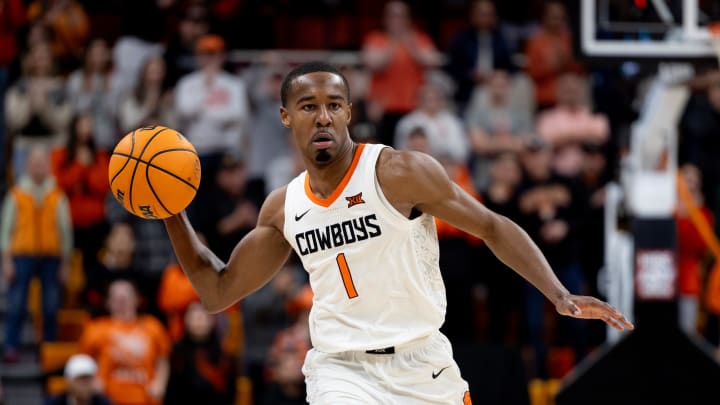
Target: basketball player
[361, 220]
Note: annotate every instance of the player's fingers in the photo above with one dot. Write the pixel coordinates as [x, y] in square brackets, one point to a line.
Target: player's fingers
[611, 308]
[624, 322]
[616, 315]
[612, 322]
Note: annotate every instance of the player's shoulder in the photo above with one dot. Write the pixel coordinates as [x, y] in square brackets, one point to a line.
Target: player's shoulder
[272, 212]
[276, 198]
[409, 176]
[403, 163]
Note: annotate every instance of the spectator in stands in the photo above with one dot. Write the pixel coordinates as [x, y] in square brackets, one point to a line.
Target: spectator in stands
[145, 28]
[37, 34]
[69, 26]
[92, 89]
[363, 125]
[551, 208]
[571, 124]
[175, 295]
[150, 102]
[2, 401]
[131, 349]
[37, 109]
[200, 373]
[12, 19]
[152, 254]
[692, 250]
[265, 315]
[235, 203]
[417, 140]
[115, 262]
[549, 53]
[286, 384]
[81, 171]
[80, 374]
[35, 240]
[495, 125]
[212, 108]
[282, 169]
[444, 130]
[269, 139]
[180, 53]
[504, 289]
[397, 59]
[477, 52]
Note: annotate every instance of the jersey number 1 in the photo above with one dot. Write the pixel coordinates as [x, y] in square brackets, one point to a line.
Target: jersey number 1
[346, 277]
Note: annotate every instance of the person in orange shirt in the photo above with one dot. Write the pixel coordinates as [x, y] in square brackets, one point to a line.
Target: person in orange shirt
[131, 350]
[397, 58]
[82, 173]
[549, 53]
[175, 296]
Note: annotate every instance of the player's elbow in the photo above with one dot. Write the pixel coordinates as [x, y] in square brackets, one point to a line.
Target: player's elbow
[224, 294]
[215, 304]
[213, 307]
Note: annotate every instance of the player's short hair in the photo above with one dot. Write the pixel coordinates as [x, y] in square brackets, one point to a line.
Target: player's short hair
[310, 67]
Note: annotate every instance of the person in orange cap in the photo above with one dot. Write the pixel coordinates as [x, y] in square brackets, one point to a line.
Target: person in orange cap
[212, 108]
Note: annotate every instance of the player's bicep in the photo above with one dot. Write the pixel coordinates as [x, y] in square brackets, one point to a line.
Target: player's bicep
[463, 211]
[439, 196]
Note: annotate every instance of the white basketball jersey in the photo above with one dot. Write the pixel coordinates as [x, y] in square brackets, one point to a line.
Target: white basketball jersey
[374, 273]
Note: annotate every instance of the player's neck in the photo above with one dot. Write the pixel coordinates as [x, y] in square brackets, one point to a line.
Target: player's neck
[325, 178]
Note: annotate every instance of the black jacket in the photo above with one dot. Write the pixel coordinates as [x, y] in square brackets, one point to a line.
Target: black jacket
[463, 55]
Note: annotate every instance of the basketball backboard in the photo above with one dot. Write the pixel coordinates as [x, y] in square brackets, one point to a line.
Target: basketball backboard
[647, 29]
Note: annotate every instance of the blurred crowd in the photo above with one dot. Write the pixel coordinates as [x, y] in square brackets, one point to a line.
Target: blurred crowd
[501, 100]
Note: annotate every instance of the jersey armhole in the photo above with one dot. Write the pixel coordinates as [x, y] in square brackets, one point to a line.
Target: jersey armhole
[289, 191]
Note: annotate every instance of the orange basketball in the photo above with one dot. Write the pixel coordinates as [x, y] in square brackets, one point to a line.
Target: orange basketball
[154, 172]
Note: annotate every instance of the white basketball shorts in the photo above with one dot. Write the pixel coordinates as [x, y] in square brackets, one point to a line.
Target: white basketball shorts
[419, 372]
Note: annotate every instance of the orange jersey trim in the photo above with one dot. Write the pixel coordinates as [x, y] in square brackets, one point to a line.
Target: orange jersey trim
[326, 202]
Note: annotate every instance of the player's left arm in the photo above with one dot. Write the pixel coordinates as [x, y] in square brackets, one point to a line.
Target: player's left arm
[415, 180]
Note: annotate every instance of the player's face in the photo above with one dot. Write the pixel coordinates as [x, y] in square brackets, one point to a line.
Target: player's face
[318, 113]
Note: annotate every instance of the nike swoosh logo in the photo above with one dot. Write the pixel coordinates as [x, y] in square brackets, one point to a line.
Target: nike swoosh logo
[299, 217]
[435, 375]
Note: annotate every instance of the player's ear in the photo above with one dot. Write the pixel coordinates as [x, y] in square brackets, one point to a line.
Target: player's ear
[284, 117]
[349, 112]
